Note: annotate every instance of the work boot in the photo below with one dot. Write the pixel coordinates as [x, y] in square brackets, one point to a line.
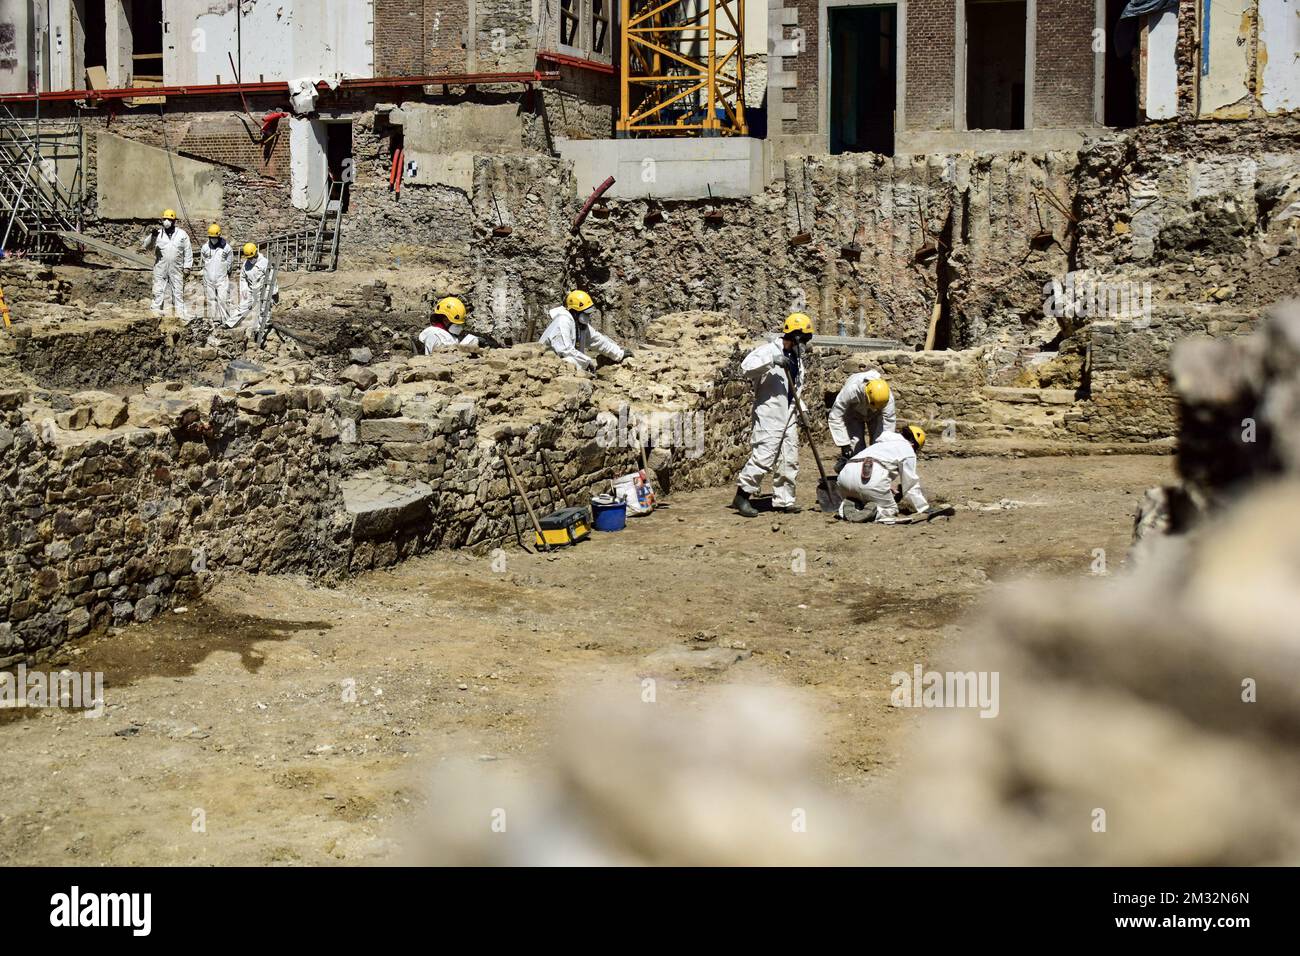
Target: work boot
[788, 509]
[856, 513]
[742, 505]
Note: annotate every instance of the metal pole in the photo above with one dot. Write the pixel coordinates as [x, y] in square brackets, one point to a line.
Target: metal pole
[711, 119]
[623, 66]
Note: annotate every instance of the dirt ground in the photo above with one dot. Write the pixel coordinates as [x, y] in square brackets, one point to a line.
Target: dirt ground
[279, 722]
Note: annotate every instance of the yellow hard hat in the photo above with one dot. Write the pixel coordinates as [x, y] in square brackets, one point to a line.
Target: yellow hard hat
[214, 230]
[797, 322]
[578, 301]
[169, 214]
[452, 309]
[877, 390]
[250, 250]
[918, 435]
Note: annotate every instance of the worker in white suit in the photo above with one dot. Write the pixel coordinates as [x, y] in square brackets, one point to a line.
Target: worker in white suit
[867, 482]
[774, 368]
[173, 254]
[571, 337]
[217, 258]
[863, 410]
[446, 326]
[252, 279]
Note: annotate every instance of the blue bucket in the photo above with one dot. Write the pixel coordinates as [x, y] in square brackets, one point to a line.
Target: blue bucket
[608, 514]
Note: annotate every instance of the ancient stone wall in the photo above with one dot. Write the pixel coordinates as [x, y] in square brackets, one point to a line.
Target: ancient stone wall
[114, 508]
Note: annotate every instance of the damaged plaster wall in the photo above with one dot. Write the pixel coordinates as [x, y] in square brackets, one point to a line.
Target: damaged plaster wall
[327, 38]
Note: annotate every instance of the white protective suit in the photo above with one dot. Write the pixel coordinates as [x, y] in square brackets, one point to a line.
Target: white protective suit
[435, 338]
[869, 476]
[252, 277]
[173, 254]
[853, 421]
[217, 261]
[571, 338]
[773, 391]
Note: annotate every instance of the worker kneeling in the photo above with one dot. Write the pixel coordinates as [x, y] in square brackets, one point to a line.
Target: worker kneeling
[863, 411]
[447, 327]
[867, 481]
[570, 334]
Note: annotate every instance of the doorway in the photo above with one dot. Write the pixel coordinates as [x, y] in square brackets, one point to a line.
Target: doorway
[145, 17]
[338, 156]
[995, 64]
[863, 69]
[1120, 94]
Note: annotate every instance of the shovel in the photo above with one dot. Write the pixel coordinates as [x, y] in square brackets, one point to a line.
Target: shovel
[828, 489]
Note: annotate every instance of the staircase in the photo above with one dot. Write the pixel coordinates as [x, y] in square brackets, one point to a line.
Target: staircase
[314, 248]
[35, 206]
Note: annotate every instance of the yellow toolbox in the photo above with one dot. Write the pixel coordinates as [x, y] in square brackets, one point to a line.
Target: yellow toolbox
[566, 526]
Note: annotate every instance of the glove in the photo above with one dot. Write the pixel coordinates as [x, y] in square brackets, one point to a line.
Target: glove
[784, 361]
[627, 354]
[841, 463]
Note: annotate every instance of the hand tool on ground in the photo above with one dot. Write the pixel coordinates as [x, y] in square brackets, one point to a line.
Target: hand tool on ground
[828, 489]
[945, 512]
[565, 526]
[519, 487]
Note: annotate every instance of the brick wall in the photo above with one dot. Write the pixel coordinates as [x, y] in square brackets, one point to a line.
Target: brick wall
[804, 66]
[225, 139]
[931, 63]
[413, 37]
[399, 37]
[1064, 63]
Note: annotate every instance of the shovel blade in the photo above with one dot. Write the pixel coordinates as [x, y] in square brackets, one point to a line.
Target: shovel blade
[828, 496]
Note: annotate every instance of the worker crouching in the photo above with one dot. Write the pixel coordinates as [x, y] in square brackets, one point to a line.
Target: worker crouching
[571, 337]
[867, 481]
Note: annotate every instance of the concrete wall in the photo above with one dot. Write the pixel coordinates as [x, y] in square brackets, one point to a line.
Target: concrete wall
[1161, 68]
[16, 60]
[134, 181]
[1279, 55]
[733, 167]
[277, 40]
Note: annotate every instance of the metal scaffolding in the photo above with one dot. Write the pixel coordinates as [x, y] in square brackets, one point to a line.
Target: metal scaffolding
[682, 70]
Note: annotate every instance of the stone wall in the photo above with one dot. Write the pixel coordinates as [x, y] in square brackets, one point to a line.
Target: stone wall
[1127, 372]
[115, 509]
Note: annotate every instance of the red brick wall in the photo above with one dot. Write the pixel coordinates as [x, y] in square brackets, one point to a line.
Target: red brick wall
[931, 64]
[225, 139]
[1064, 63]
[415, 37]
[804, 94]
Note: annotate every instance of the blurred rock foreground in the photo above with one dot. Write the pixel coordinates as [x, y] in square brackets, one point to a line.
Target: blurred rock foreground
[1146, 718]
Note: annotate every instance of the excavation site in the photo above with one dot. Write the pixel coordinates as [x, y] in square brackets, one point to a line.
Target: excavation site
[577, 433]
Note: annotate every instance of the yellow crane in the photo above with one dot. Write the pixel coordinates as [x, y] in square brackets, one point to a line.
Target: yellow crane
[682, 71]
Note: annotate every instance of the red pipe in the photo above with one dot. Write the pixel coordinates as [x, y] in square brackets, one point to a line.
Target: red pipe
[392, 171]
[577, 62]
[281, 87]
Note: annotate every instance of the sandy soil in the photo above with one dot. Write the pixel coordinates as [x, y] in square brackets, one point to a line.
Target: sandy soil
[278, 722]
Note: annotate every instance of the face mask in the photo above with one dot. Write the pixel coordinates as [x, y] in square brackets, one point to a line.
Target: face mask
[168, 223]
[586, 318]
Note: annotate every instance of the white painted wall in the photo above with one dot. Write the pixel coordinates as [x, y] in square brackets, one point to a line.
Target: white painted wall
[1279, 54]
[307, 163]
[1229, 46]
[16, 14]
[1162, 69]
[278, 40]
